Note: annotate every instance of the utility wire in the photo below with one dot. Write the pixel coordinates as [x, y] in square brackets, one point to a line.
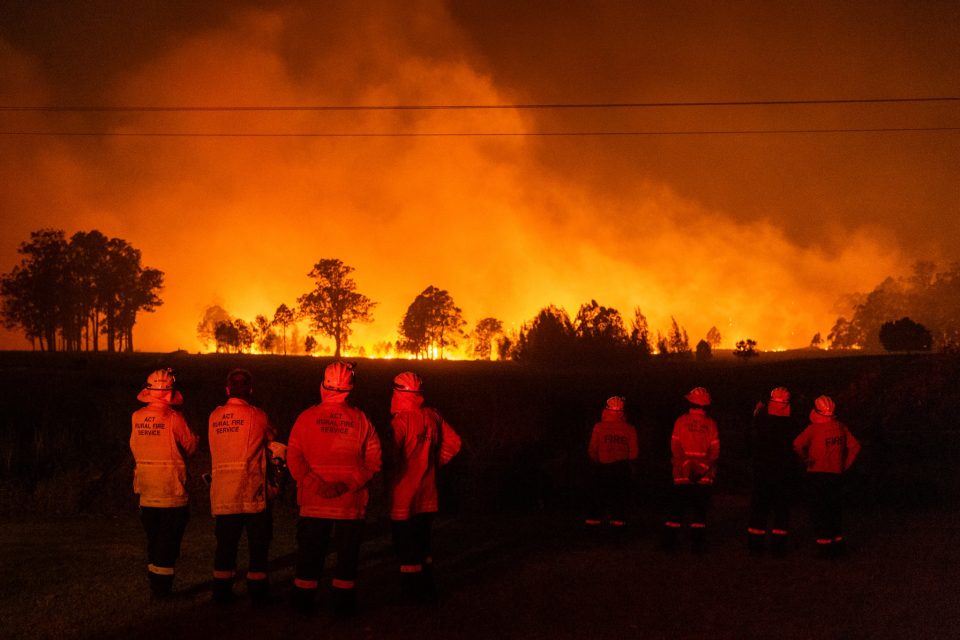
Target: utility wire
[470, 134]
[463, 107]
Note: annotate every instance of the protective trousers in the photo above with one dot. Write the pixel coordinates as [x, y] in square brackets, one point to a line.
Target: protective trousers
[771, 497]
[313, 538]
[694, 498]
[228, 529]
[610, 492]
[411, 541]
[826, 506]
[164, 527]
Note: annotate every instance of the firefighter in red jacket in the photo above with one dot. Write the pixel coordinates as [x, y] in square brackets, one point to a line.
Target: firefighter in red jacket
[332, 454]
[161, 442]
[695, 447]
[613, 451]
[828, 449]
[775, 473]
[424, 442]
[239, 435]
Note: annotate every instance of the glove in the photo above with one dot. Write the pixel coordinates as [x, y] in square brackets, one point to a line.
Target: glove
[331, 490]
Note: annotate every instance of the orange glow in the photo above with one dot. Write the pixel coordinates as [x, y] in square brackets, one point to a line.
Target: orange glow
[240, 222]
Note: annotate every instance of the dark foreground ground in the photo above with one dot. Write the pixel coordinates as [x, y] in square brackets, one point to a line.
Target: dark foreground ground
[533, 575]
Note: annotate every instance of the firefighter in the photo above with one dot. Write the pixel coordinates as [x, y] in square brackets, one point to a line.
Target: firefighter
[161, 442]
[424, 442]
[332, 454]
[828, 449]
[613, 451]
[695, 447]
[775, 473]
[239, 435]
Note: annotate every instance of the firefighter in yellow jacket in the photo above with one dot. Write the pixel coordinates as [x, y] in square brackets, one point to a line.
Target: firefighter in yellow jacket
[239, 435]
[333, 453]
[161, 441]
[424, 442]
[695, 448]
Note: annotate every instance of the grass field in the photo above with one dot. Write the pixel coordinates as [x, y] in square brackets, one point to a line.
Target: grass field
[513, 559]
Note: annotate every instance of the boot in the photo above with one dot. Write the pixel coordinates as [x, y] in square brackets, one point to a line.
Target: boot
[259, 592]
[668, 538]
[778, 545]
[428, 589]
[410, 587]
[756, 542]
[161, 586]
[344, 602]
[304, 600]
[223, 590]
[698, 540]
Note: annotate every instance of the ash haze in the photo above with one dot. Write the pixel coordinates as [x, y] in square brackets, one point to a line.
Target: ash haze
[759, 235]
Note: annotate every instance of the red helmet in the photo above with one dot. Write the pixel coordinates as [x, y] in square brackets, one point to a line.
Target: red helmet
[407, 381]
[699, 396]
[161, 380]
[338, 377]
[781, 395]
[616, 403]
[824, 406]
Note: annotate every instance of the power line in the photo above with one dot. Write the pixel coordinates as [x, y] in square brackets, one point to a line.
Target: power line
[469, 134]
[463, 107]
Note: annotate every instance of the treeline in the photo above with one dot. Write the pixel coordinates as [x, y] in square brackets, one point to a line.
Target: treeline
[433, 325]
[67, 294]
[920, 311]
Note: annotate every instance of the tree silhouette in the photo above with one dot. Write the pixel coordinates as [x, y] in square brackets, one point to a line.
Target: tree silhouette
[677, 341]
[704, 352]
[547, 339]
[432, 322]
[816, 342]
[640, 334]
[227, 336]
[263, 336]
[746, 348]
[483, 336]
[335, 304]
[905, 335]
[713, 338]
[78, 290]
[207, 327]
[283, 317]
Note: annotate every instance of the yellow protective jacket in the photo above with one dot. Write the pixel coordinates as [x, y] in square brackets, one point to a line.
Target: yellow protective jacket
[238, 434]
[161, 441]
[330, 443]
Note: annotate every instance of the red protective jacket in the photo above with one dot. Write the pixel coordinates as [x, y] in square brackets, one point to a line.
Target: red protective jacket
[695, 446]
[613, 439]
[424, 441]
[161, 441]
[333, 442]
[826, 445]
[238, 434]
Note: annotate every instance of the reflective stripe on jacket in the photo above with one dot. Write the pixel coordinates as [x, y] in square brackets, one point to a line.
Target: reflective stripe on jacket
[613, 439]
[424, 441]
[827, 446]
[333, 442]
[238, 434]
[161, 441]
[695, 446]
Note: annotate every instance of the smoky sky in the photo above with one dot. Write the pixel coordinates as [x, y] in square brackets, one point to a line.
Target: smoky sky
[758, 234]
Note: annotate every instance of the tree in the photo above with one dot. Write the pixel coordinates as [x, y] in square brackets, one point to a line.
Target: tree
[816, 342]
[335, 304]
[547, 339]
[283, 317]
[245, 336]
[263, 335]
[677, 341]
[599, 324]
[640, 334]
[309, 344]
[207, 327]
[844, 335]
[483, 337]
[227, 336]
[713, 338]
[432, 323]
[33, 291]
[704, 352]
[905, 335]
[746, 349]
